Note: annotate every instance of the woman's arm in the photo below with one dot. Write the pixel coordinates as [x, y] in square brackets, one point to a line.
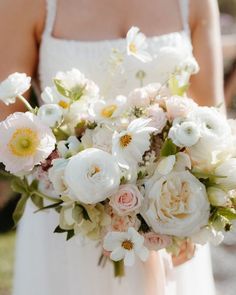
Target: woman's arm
[21, 24]
[207, 86]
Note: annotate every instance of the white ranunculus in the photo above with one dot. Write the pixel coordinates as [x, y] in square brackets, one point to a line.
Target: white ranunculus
[207, 235]
[56, 175]
[227, 174]
[69, 147]
[178, 204]
[137, 45]
[185, 134]
[92, 176]
[216, 196]
[15, 85]
[50, 114]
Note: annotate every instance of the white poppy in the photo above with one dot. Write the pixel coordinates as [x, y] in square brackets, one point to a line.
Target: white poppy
[92, 176]
[15, 85]
[50, 95]
[137, 45]
[50, 114]
[126, 245]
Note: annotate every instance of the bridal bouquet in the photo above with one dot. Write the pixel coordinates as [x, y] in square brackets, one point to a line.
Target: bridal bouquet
[136, 173]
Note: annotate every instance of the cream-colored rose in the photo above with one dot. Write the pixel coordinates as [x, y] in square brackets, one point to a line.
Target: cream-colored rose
[178, 204]
[127, 199]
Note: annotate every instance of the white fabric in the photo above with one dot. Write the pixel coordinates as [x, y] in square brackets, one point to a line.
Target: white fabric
[48, 265]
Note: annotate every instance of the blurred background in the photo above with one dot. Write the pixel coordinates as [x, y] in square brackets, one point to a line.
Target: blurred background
[9, 200]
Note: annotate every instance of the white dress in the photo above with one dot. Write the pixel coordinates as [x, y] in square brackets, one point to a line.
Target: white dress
[48, 265]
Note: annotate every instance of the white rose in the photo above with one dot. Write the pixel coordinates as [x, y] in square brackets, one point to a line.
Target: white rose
[56, 175]
[50, 114]
[92, 176]
[228, 170]
[185, 134]
[15, 85]
[178, 204]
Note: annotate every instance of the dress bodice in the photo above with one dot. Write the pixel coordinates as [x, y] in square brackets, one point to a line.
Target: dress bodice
[91, 58]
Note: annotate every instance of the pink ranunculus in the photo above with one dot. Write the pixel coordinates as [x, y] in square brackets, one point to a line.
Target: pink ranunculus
[128, 199]
[178, 106]
[154, 241]
[158, 117]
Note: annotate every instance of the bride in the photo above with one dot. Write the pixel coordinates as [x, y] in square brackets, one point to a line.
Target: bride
[42, 37]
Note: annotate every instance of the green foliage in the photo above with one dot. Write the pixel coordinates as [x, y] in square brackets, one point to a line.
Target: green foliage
[175, 88]
[70, 233]
[168, 148]
[73, 94]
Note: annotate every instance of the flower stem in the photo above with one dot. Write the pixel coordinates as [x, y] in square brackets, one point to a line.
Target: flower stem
[45, 196]
[26, 103]
[119, 268]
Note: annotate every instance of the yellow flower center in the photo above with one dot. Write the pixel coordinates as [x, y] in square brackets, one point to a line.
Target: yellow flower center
[108, 111]
[125, 140]
[127, 245]
[132, 47]
[23, 142]
[95, 170]
[63, 104]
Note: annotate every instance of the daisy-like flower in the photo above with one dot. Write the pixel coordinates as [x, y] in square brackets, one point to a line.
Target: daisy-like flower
[25, 142]
[103, 110]
[15, 85]
[50, 95]
[126, 245]
[130, 145]
[136, 45]
[50, 114]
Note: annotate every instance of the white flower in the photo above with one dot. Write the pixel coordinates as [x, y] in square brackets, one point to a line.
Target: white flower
[56, 175]
[227, 174]
[178, 106]
[217, 197]
[69, 147]
[125, 245]
[157, 116]
[137, 45]
[130, 145]
[103, 110]
[206, 235]
[92, 176]
[185, 134]
[102, 138]
[15, 85]
[25, 142]
[50, 95]
[178, 204]
[50, 114]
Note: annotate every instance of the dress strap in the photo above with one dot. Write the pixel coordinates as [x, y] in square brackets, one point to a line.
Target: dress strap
[184, 7]
[51, 15]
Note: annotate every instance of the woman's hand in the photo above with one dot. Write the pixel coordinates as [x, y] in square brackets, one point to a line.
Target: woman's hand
[186, 253]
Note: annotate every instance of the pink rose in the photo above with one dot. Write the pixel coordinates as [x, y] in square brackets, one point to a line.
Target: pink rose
[155, 241]
[158, 117]
[127, 199]
[178, 106]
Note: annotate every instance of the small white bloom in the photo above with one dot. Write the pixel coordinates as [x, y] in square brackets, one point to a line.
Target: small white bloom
[92, 176]
[104, 110]
[178, 106]
[16, 84]
[126, 245]
[137, 45]
[157, 116]
[185, 134]
[56, 175]
[102, 138]
[130, 145]
[50, 114]
[50, 95]
[166, 165]
[217, 196]
[25, 142]
[227, 174]
[69, 147]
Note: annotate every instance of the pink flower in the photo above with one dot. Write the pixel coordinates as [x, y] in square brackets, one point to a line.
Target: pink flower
[158, 117]
[127, 199]
[155, 241]
[178, 106]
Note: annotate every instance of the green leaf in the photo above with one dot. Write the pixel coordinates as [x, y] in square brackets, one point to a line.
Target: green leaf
[228, 213]
[168, 148]
[20, 208]
[55, 205]
[38, 202]
[84, 212]
[70, 234]
[77, 93]
[34, 186]
[59, 230]
[19, 186]
[175, 88]
[61, 89]
[5, 175]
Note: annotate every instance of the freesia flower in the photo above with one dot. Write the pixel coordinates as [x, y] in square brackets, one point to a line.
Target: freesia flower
[15, 85]
[137, 45]
[126, 245]
[25, 142]
[130, 145]
[126, 200]
[50, 114]
[178, 204]
[92, 176]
